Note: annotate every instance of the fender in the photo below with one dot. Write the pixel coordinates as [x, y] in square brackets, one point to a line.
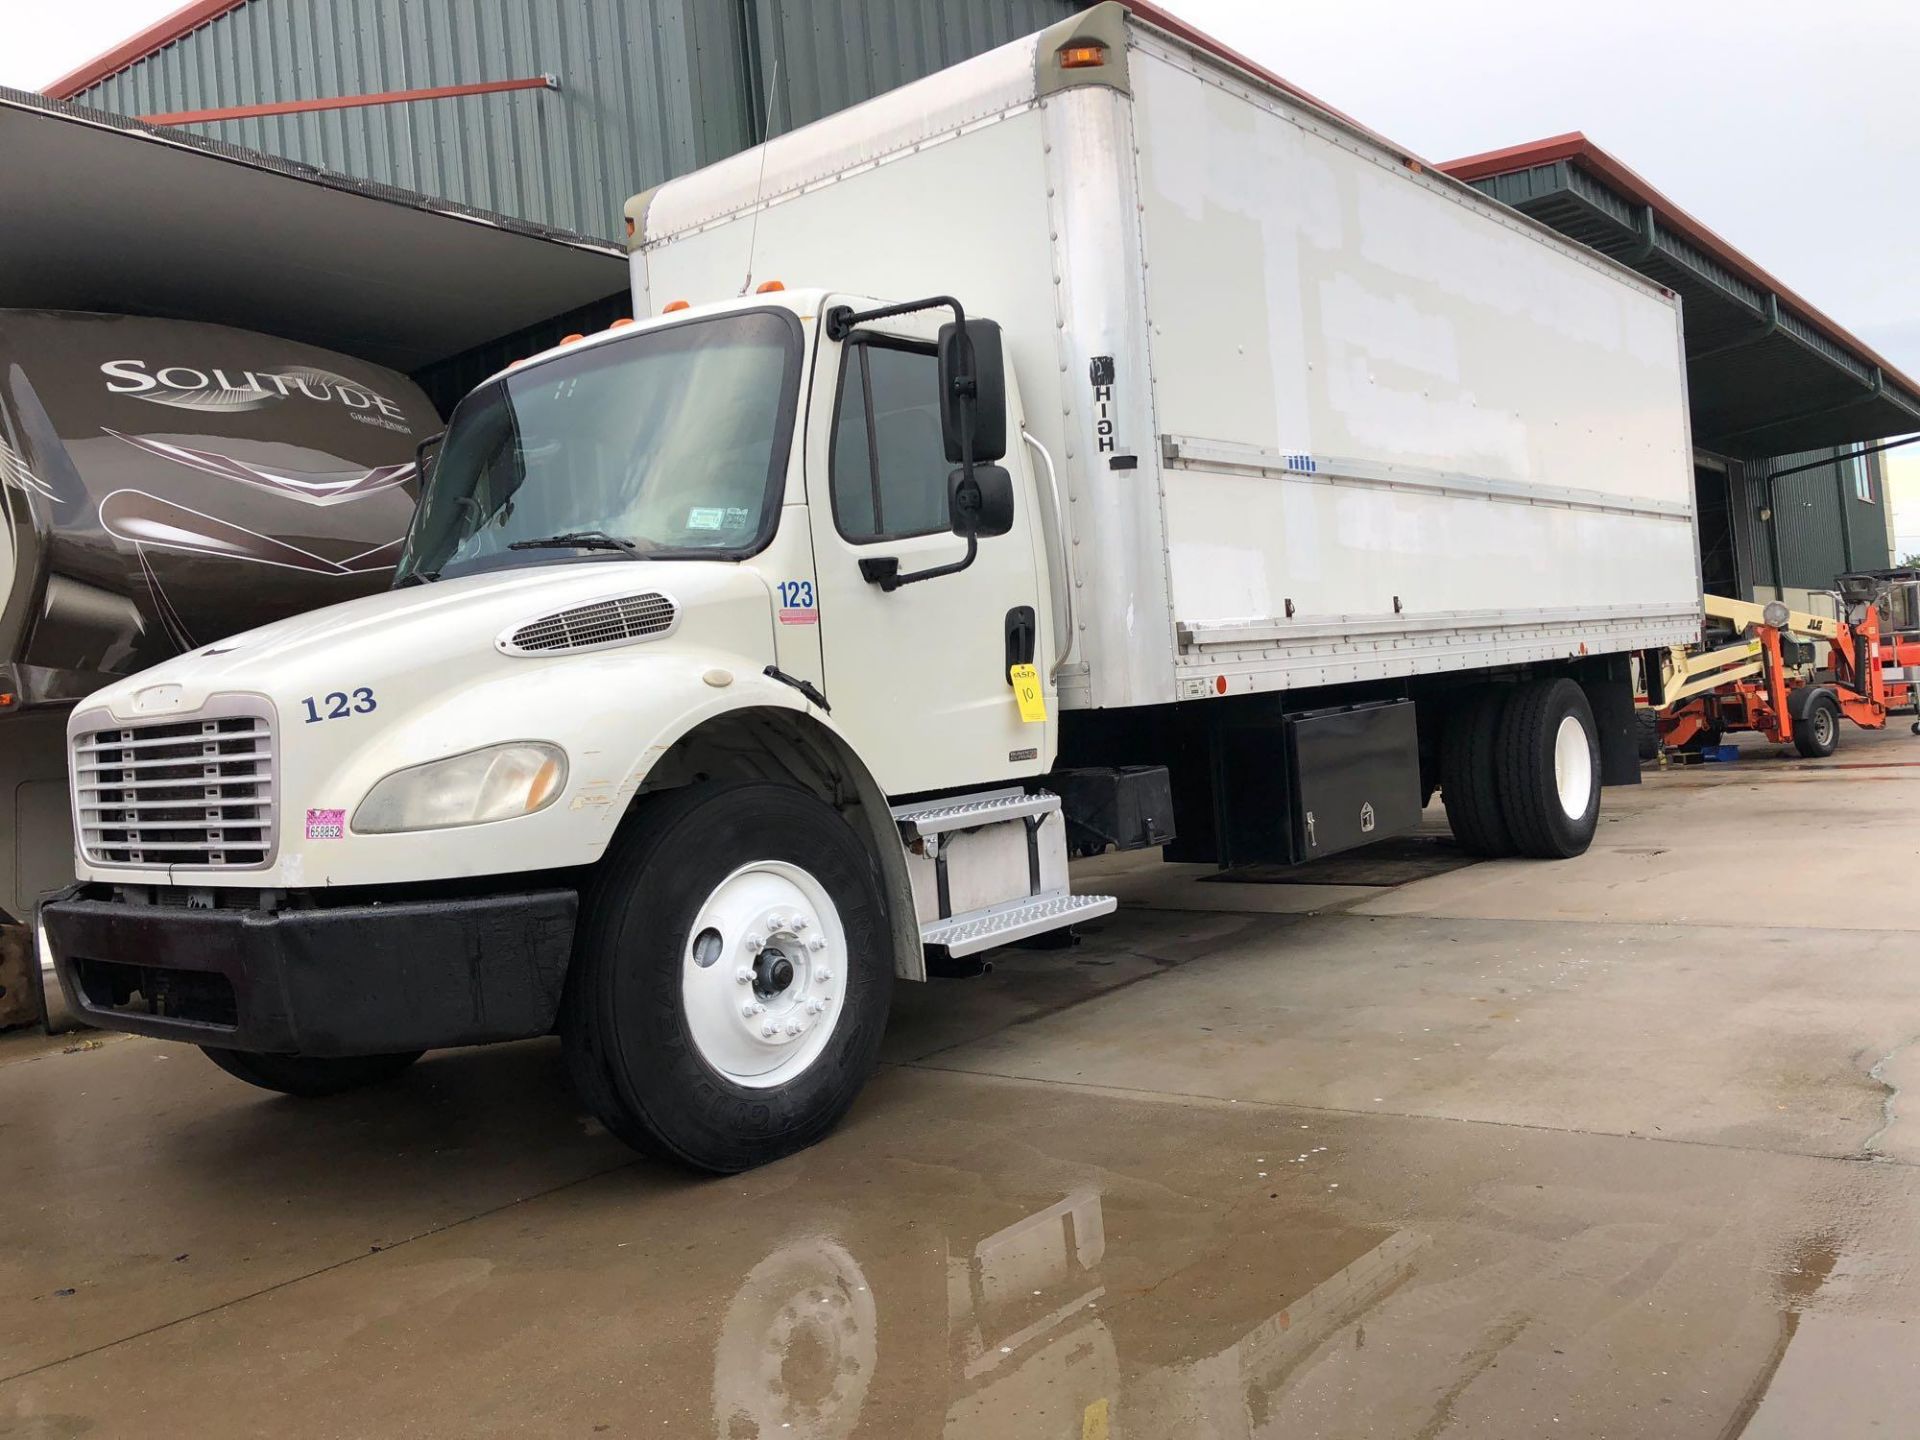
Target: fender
[754, 691]
[1799, 700]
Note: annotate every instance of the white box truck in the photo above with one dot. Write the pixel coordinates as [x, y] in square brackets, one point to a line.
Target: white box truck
[1089, 445]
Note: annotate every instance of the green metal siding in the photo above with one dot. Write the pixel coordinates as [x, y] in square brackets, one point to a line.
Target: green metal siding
[1823, 529]
[649, 89]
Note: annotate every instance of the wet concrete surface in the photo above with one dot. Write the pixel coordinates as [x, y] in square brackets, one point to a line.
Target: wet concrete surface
[1517, 1150]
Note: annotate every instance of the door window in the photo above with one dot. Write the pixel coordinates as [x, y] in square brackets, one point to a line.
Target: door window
[889, 468]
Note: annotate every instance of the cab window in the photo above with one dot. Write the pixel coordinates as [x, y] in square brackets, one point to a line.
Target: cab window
[889, 466]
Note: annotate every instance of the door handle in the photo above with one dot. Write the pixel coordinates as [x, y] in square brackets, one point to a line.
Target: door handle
[1022, 635]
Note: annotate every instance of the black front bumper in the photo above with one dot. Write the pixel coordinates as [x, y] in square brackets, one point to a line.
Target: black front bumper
[348, 980]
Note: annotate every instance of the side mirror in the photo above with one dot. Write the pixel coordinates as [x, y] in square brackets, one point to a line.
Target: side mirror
[973, 392]
[981, 504]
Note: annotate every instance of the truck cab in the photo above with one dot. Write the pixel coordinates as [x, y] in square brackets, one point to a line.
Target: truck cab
[717, 667]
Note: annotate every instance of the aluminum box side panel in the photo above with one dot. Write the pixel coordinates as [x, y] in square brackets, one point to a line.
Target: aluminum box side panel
[1387, 406]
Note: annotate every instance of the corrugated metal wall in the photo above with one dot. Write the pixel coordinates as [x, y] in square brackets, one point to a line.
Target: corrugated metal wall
[1823, 529]
[648, 88]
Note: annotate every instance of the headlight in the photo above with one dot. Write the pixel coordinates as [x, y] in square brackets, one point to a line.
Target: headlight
[497, 783]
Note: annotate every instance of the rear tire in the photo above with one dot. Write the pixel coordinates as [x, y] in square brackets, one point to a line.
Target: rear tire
[704, 885]
[1816, 734]
[310, 1076]
[1647, 733]
[1469, 774]
[1550, 769]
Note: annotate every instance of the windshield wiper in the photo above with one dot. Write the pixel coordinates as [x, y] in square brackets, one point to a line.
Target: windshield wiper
[420, 577]
[581, 540]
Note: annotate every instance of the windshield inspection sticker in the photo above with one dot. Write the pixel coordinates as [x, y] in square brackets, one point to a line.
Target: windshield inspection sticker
[706, 517]
[326, 824]
[796, 603]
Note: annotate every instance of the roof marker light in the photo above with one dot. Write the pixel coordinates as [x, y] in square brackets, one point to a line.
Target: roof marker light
[621, 323]
[569, 339]
[1081, 54]
[767, 287]
[673, 305]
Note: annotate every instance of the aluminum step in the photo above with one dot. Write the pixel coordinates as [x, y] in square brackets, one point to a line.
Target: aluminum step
[933, 817]
[1003, 924]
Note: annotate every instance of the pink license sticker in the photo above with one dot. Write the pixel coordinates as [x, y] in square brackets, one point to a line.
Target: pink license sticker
[799, 615]
[326, 824]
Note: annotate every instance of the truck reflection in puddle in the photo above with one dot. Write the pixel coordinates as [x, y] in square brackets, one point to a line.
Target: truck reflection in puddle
[1038, 1341]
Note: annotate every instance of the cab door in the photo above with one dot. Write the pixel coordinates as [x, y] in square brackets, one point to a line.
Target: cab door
[917, 676]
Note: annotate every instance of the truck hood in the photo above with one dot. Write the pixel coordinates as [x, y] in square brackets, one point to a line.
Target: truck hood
[451, 623]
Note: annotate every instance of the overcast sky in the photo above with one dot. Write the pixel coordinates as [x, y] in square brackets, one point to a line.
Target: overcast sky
[1792, 127]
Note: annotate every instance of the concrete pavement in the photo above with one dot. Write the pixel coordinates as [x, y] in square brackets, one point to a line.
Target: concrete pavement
[1616, 1147]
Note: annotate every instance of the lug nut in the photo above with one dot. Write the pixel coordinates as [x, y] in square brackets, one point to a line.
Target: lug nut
[793, 1027]
[751, 1008]
[814, 1007]
[743, 975]
[799, 923]
[753, 944]
[818, 942]
[769, 1030]
[823, 975]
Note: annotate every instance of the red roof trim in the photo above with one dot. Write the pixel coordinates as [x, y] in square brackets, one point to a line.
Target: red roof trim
[183, 21]
[1578, 149]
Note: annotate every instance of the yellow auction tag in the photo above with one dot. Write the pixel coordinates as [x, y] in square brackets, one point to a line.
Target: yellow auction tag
[1026, 689]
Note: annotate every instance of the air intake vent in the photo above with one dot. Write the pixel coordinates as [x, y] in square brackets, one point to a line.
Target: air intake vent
[597, 626]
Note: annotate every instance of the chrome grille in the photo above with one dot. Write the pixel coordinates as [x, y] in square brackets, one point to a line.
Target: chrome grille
[183, 791]
[589, 627]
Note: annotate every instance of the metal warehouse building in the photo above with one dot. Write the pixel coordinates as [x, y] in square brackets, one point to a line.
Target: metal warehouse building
[555, 111]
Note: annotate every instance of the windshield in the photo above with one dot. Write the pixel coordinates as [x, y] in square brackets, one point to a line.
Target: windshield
[672, 439]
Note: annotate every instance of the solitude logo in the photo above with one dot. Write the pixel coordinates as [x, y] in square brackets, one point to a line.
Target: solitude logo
[222, 391]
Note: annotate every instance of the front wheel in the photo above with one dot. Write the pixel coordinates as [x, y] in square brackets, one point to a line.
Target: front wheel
[732, 978]
[1816, 734]
[309, 1076]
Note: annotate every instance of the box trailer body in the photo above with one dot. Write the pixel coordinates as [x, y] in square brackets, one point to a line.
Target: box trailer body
[164, 484]
[1361, 421]
[1091, 444]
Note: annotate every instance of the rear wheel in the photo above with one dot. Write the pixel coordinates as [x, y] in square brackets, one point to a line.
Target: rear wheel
[1816, 734]
[310, 1076]
[1646, 725]
[1549, 769]
[733, 976]
[1469, 774]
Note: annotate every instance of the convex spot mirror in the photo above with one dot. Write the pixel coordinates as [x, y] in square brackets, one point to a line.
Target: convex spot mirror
[981, 504]
[973, 352]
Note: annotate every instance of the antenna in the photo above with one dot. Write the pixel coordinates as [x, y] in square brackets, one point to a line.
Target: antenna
[759, 185]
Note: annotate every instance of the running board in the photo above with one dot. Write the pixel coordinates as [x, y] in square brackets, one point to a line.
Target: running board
[1003, 924]
[936, 817]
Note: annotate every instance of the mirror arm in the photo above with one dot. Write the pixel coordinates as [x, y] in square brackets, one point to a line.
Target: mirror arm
[884, 570]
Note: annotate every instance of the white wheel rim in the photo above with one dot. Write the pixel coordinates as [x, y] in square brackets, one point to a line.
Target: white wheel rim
[1572, 766]
[1823, 726]
[775, 923]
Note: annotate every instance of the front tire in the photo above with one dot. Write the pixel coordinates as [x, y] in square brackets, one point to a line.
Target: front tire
[1816, 734]
[310, 1076]
[731, 983]
[1550, 769]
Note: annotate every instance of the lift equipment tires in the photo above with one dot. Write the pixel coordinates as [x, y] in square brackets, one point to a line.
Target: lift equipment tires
[1816, 730]
[1469, 773]
[732, 976]
[310, 1076]
[1549, 773]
